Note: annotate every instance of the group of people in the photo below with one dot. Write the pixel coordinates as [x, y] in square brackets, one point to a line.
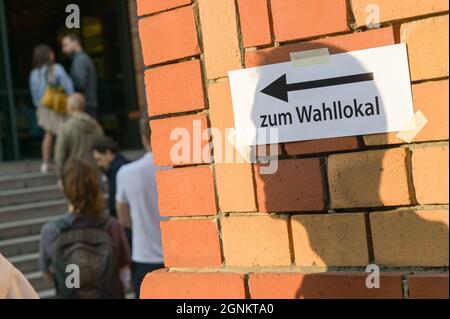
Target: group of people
[91, 251]
[80, 85]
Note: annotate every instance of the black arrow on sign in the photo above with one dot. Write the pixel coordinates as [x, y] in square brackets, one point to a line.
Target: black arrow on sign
[279, 88]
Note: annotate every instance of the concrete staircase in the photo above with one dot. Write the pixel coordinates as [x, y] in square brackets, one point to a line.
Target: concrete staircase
[28, 200]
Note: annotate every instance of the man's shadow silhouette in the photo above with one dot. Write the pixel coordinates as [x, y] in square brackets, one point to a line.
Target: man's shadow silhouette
[355, 188]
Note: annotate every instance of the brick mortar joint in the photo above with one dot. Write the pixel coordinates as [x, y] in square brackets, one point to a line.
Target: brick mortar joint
[148, 15]
[239, 34]
[442, 78]
[342, 211]
[351, 20]
[290, 240]
[405, 286]
[271, 27]
[199, 31]
[410, 176]
[172, 62]
[406, 271]
[204, 111]
[326, 185]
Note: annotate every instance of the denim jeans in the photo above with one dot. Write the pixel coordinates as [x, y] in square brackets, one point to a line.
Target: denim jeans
[138, 272]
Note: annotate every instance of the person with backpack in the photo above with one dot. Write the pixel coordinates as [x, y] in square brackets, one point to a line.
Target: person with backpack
[49, 87]
[85, 251]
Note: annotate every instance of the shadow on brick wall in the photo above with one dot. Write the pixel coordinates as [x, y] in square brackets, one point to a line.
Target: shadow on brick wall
[328, 199]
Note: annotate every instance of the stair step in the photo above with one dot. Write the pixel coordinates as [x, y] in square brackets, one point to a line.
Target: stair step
[27, 180]
[20, 246]
[19, 167]
[39, 281]
[32, 210]
[47, 294]
[26, 263]
[30, 195]
[22, 228]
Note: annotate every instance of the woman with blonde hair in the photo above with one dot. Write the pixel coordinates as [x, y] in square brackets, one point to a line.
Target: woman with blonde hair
[85, 251]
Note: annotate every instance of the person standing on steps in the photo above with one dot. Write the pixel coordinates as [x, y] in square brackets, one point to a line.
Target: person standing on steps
[47, 73]
[77, 134]
[107, 154]
[137, 207]
[82, 71]
[85, 238]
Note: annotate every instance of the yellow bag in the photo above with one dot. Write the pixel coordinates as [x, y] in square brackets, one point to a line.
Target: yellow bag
[55, 99]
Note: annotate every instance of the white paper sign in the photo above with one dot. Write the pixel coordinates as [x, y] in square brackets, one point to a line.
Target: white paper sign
[356, 93]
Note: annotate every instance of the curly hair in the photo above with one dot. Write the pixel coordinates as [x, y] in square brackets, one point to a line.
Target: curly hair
[81, 187]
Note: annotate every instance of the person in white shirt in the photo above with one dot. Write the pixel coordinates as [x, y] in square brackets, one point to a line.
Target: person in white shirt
[137, 208]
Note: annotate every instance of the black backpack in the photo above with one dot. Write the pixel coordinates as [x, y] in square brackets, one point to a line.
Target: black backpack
[90, 249]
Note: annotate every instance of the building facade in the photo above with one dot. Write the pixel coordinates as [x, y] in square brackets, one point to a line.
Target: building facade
[333, 206]
[109, 35]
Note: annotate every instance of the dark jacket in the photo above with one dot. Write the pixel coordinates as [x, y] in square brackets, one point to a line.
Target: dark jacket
[84, 77]
[111, 173]
[50, 234]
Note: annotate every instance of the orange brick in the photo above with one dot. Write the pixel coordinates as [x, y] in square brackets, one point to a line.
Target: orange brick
[337, 44]
[183, 80]
[297, 19]
[427, 47]
[221, 115]
[430, 174]
[255, 27]
[344, 243]
[162, 284]
[428, 286]
[168, 36]
[395, 10]
[295, 186]
[220, 40]
[322, 146]
[368, 179]
[186, 191]
[190, 243]
[431, 98]
[410, 238]
[180, 140]
[323, 286]
[222, 123]
[235, 187]
[152, 6]
[256, 241]
[220, 105]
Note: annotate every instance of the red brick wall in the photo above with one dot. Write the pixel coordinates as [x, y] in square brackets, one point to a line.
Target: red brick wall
[333, 206]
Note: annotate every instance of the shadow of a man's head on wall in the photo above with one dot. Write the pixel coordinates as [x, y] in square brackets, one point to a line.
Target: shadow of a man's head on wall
[343, 199]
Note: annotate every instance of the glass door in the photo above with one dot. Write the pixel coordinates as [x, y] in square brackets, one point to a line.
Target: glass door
[105, 34]
[8, 137]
